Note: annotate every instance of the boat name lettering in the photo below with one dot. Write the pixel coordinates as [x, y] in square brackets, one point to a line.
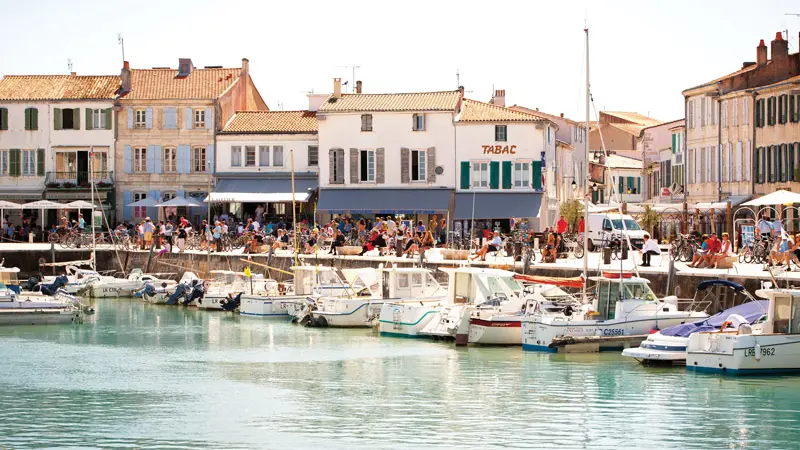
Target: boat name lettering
[578, 330]
[499, 149]
[765, 351]
[613, 332]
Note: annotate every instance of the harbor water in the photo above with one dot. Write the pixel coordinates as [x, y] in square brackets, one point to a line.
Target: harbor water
[137, 375]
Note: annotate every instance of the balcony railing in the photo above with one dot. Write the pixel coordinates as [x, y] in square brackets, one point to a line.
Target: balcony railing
[79, 179]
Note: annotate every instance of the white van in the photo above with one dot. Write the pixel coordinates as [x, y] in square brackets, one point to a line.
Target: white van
[603, 227]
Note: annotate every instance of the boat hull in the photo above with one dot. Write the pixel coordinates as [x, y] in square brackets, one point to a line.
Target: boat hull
[347, 313]
[495, 331]
[658, 349]
[266, 307]
[732, 354]
[46, 316]
[406, 320]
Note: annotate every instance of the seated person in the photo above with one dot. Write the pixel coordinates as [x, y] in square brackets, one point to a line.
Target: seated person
[493, 245]
[726, 251]
[311, 243]
[779, 247]
[550, 250]
[411, 245]
[700, 254]
[338, 241]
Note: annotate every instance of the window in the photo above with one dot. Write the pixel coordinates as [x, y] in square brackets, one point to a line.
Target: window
[236, 156]
[366, 166]
[170, 164]
[199, 118]
[480, 174]
[140, 119]
[139, 211]
[366, 122]
[745, 118]
[28, 163]
[199, 159]
[263, 155]
[418, 165]
[3, 162]
[98, 119]
[277, 155]
[67, 119]
[140, 159]
[419, 122]
[250, 156]
[724, 117]
[522, 174]
[337, 166]
[500, 133]
[313, 155]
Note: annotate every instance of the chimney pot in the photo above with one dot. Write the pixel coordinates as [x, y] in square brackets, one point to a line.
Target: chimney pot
[126, 65]
[358, 87]
[761, 53]
[73, 73]
[461, 90]
[780, 48]
[562, 114]
[337, 88]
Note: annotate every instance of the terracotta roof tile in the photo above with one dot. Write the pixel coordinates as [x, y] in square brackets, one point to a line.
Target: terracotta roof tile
[416, 101]
[165, 84]
[630, 128]
[272, 122]
[58, 87]
[475, 111]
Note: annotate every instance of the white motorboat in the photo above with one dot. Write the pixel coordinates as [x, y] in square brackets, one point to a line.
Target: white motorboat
[103, 286]
[296, 299]
[668, 346]
[771, 348]
[371, 289]
[37, 309]
[623, 306]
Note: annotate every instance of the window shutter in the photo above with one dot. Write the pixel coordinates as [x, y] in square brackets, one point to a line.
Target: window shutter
[494, 175]
[621, 185]
[790, 156]
[430, 164]
[537, 175]
[152, 211]
[189, 120]
[332, 166]
[109, 118]
[13, 162]
[770, 165]
[339, 166]
[674, 142]
[40, 162]
[353, 166]
[184, 159]
[209, 118]
[380, 173]
[34, 118]
[157, 159]
[405, 177]
[127, 213]
[128, 156]
[170, 118]
[507, 175]
[4, 119]
[150, 154]
[465, 170]
[212, 163]
[130, 118]
[89, 121]
[76, 118]
[148, 118]
[757, 165]
[638, 185]
[56, 119]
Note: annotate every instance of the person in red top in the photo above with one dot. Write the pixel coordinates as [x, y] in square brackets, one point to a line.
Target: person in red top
[581, 225]
[562, 225]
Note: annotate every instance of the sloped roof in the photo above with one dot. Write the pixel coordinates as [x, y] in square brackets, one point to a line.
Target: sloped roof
[272, 122]
[725, 77]
[475, 111]
[543, 114]
[415, 101]
[630, 128]
[622, 162]
[165, 84]
[634, 117]
[58, 87]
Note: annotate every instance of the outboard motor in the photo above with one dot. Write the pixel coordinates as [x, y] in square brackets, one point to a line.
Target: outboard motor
[198, 292]
[32, 282]
[58, 283]
[147, 289]
[230, 304]
[180, 290]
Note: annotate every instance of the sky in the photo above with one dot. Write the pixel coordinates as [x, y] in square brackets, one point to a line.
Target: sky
[642, 53]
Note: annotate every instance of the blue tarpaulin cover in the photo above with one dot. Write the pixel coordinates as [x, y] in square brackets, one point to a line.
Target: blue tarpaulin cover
[752, 311]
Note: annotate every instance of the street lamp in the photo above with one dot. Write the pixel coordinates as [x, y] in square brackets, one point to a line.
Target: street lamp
[574, 186]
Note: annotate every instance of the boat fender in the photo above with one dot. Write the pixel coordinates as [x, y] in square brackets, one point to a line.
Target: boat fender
[757, 351]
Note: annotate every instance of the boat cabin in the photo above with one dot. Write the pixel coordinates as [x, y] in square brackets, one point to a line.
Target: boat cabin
[483, 287]
[309, 280]
[9, 277]
[783, 313]
[622, 295]
[407, 282]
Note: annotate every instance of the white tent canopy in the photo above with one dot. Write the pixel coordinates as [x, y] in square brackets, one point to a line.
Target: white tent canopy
[145, 202]
[4, 204]
[43, 204]
[181, 201]
[781, 197]
[79, 204]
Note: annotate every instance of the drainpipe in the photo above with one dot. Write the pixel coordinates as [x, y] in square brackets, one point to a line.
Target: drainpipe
[719, 146]
[753, 173]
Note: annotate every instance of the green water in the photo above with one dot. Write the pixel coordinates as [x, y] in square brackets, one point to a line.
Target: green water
[149, 376]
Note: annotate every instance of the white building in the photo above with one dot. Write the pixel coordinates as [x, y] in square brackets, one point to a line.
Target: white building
[256, 151]
[387, 154]
[56, 137]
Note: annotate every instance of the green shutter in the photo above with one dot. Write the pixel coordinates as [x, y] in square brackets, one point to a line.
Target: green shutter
[465, 174]
[13, 162]
[674, 142]
[537, 175]
[639, 185]
[56, 118]
[76, 118]
[507, 175]
[3, 118]
[89, 121]
[494, 175]
[107, 112]
[27, 118]
[756, 164]
[40, 162]
[34, 119]
[621, 185]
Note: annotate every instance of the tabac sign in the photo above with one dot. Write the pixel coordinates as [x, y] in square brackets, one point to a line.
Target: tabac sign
[499, 149]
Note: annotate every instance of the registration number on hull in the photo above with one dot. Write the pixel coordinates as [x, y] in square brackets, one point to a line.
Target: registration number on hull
[764, 351]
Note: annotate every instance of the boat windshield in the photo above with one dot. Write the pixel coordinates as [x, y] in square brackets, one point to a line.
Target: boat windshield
[630, 224]
[638, 291]
[513, 284]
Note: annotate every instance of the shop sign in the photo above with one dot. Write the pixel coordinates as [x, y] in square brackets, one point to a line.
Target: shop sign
[499, 149]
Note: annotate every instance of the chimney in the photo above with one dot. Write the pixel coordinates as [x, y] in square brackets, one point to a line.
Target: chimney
[125, 78]
[73, 73]
[358, 87]
[337, 88]
[780, 48]
[562, 115]
[244, 82]
[761, 53]
[499, 98]
[461, 90]
[185, 67]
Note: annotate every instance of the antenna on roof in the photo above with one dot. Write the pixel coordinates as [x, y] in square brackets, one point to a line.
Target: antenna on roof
[458, 79]
[69, 64]
[121, 42]
[352, 86]
[280, 105]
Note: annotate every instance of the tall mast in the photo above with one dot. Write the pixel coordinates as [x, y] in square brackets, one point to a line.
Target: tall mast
[585, 175]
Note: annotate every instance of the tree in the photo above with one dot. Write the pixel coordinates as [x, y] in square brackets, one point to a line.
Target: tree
[572, 210]
[650, 219]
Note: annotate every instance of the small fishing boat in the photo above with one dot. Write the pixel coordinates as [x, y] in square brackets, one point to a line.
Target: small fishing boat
[36, 309]
[771, 348]
[668, 346]
[295, 299]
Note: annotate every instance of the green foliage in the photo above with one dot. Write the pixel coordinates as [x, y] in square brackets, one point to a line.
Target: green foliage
[650, 219]
[572, 210]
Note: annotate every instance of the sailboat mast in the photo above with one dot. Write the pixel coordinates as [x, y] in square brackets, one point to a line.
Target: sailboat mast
[91, 215]
[585, 175]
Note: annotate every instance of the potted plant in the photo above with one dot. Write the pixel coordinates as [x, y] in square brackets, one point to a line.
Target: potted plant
[650, 219]
[53, 185]
[69, 185]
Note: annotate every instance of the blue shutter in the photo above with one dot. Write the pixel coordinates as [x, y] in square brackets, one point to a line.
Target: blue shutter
[183, 160]
[170, 118]
[151, 165]
[157, 159]
[188, 118]
[210, 157]
[130, 118]
[128, 155]
[148, 118]
[209, 118]
[127, 211]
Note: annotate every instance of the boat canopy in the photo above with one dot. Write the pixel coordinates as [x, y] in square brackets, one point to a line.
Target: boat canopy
[752, 311]
[707, 284]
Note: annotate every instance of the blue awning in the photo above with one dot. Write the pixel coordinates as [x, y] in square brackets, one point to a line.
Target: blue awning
[261, 190]
[384, 201]
[497, 205]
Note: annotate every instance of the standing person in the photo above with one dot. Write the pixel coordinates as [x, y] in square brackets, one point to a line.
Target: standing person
[181, 239]
[148, 230]
[562, 225]
[217, 234]
[168, 231]
[649, 248]
[259, 213]
[81, 223]
[777, 227]
[581, 228]
[765, 227]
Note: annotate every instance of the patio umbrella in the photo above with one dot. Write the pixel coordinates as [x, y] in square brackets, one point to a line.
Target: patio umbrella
[145, 202]
[42, 205]
[80, 204]
[781, 197]
[180, 201]
[4, 204]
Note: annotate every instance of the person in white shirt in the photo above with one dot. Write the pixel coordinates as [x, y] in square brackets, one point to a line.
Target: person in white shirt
[493, 245]
[391, 224]
[649, 249]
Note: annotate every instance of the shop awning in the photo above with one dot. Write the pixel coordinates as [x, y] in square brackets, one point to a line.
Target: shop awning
[262, 190]
[498, 205]
[720, 207]
[384, 201]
